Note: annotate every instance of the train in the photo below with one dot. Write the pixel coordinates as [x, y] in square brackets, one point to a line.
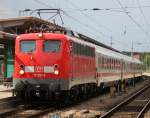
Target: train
[49, 65]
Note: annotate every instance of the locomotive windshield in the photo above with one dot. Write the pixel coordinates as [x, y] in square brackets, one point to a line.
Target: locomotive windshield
[52, 46]
[28, 46]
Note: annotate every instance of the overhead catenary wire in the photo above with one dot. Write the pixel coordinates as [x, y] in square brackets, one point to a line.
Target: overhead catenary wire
[89, 17]
[107, 9]
[84, 24]
[43, 3]
[75, 19]
[97, 23]
[133, 20]
[143, 15]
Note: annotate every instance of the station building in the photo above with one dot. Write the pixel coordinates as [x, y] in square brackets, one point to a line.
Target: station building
[9, 29]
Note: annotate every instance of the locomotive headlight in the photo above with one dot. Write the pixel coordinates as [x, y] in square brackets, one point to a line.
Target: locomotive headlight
[56, 72]
[40, 35]
[21, 72]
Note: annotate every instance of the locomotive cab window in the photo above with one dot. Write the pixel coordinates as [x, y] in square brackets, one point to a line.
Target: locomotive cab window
[28, 46]
[52, 46]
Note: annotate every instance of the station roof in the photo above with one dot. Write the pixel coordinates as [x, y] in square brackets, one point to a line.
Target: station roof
[4, 37]
[21, 24]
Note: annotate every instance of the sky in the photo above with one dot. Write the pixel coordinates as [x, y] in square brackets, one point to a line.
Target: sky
[122, 24]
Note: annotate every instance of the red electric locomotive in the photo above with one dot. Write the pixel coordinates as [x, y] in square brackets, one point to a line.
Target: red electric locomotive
[45, 65]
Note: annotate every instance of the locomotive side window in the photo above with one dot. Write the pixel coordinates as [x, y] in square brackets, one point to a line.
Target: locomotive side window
[28, 46]
[52, 46]
[83, 50]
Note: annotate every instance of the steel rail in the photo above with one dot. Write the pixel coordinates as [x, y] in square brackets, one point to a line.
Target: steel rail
[7, 99]
[8, 103]
[141, 114]
[9, 112]
[111, 111]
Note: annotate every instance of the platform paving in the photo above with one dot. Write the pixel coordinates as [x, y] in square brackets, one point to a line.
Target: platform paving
[5, 91]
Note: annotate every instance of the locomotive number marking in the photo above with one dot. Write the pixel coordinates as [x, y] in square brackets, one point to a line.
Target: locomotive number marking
[39, 75]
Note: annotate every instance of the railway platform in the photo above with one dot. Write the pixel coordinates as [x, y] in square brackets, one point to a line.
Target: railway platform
[146, 74]
[5, 91]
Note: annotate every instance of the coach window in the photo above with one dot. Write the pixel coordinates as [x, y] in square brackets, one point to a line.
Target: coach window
[102, 63]
[98, 62]
[116, 64]
[109, 64]
[52, 46]
[28, 46]
[112, 63]
[105, 63]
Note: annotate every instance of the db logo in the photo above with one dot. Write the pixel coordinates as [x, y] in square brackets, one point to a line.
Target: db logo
[38, 69]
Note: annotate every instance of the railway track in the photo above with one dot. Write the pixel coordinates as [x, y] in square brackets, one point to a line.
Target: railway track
[135, 105]
[35, 112]
[26, 111]
[8, 103]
